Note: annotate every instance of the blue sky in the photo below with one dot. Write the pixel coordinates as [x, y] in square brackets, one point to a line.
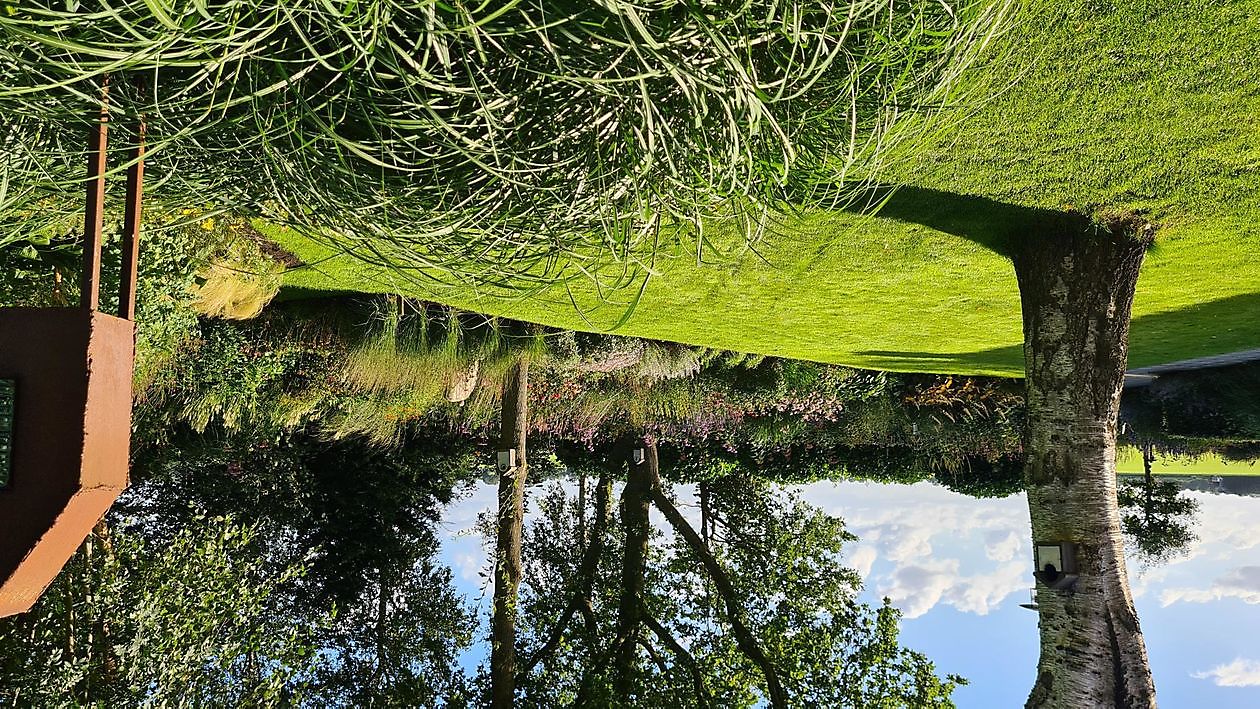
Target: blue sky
[959, 567]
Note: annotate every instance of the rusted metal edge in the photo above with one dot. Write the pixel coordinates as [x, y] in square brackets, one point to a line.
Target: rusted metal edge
[131, 228]
[94, 213]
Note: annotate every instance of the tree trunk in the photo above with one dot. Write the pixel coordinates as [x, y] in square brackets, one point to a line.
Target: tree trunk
[634, 519]
[507, 570]
[581, 509]
[704, 512]
[1076, 285]
[104, 629]
[382, 616]
[1148, 458]
[744, 638]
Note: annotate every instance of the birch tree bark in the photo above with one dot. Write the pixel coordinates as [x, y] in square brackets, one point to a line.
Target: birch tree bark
[1076, 285]
[507, 569]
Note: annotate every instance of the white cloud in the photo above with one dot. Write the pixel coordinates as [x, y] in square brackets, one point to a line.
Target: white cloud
[470, 567]
[923, 545]
[1002, 546]
[862, 558]
[1242, 583]
[1239, 673]
[917, 588]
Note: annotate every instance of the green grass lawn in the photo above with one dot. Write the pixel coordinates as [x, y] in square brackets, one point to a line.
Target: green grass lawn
[1145, 105]
[1129, 461]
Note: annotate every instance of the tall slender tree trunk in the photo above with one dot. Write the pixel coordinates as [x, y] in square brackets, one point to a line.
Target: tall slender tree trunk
[581, 509]
[1076, 284]
[382, 616]
[704, 512]
[507, 569]
[635, 501]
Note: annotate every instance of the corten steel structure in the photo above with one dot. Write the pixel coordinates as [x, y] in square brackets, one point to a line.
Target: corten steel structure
[71, 370]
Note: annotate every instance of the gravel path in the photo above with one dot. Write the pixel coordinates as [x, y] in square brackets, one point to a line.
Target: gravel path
[1145, 375]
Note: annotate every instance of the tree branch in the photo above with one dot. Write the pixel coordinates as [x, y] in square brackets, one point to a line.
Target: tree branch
[586, 574]
[744, 638]
[702, 692]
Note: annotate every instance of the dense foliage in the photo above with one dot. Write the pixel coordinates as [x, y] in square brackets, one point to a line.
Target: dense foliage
[195, 620]
[776, 555]
[477, 141]
[312, 364]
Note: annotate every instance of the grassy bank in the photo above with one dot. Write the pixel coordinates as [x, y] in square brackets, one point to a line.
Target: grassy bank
[1151, 106]
[1129, 461]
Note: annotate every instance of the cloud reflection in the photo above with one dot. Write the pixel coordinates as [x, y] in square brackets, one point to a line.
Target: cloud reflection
[924, 546]
[1242, 583]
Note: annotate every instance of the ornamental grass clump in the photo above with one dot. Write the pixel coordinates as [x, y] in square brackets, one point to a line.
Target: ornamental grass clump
[506, 144]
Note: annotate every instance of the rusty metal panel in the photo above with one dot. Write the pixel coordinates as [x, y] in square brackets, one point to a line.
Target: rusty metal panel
[71, 433]
[94, 215]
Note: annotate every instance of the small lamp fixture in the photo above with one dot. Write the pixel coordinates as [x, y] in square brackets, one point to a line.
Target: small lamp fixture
[637, 456]
[507, 460]
[1056, 565]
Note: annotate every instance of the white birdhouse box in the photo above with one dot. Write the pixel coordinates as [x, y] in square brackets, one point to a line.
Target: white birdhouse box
[1056, 564]
[507, 460]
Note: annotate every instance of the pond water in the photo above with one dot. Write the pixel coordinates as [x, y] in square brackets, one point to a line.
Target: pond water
[959, 567]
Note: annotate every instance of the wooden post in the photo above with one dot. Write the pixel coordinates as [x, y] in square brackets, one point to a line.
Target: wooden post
[94, 214]
[131, 228]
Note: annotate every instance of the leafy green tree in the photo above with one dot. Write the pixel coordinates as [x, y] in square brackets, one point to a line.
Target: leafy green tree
[1157, 515]
[360, 519]
[396, 644]
[197, 620]
[754, 607]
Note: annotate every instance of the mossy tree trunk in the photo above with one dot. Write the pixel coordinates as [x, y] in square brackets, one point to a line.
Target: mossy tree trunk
[507, 569]
[1076, 283]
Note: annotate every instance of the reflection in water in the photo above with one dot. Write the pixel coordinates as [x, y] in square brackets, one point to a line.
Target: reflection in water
[960, 566]
[957, 567]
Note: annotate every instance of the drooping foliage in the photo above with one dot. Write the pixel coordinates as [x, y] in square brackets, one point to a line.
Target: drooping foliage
[492, 140]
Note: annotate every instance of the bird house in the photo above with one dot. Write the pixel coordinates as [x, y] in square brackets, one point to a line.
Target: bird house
[507, 460]
[1056, 564]
[637, 456]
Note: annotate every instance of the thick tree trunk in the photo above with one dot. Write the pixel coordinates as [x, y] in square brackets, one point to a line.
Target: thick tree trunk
[1076, 285]
[507, 569]
[634, 519]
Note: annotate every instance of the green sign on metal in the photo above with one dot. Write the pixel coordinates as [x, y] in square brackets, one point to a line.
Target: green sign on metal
[6, 430]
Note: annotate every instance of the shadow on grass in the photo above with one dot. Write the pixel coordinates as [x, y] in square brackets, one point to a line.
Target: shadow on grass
[1201, 330]
[995, 225]
[1006, 360]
